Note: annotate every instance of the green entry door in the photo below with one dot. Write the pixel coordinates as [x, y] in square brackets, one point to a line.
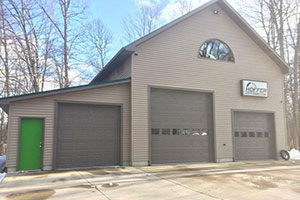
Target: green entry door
[31, 141]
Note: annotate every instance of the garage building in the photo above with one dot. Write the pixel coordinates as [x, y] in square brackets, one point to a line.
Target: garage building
[203, 88]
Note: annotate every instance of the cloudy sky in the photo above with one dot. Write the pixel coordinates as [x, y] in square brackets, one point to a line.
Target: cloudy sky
[112, 12]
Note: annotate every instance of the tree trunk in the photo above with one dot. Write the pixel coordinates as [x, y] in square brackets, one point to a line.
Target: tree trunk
[66, 53]
[295, 94]
[5, 58]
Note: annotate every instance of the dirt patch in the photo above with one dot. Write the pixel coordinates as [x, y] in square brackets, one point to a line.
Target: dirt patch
[261, 182]
[206, 178]
[43, 176]
[59, 180]
[109, 185]
[264, 184]
[75, 176]
[296, 190]
[32, 195]
[116, 171]
[240, 180]
[277, 178]
[37, 173]
[83, 186]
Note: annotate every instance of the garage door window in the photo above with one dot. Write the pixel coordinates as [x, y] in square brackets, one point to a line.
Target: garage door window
[204, 132]
[196, 132]
[176, 131]
[259, 134]
[243, 134]
[251, 134]
[236, 134]
[186, 131]
[166, 131]
[267, 134]
[155, 131]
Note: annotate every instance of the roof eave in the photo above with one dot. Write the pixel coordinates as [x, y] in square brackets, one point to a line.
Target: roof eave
[7, 100]
[122, 54]
[5, 107]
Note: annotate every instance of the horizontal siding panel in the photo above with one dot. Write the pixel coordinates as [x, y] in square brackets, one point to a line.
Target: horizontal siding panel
[45, 107]
[124, 71]
[170, 59]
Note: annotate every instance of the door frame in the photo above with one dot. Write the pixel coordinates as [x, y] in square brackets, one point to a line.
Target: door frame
[19, 139]
[56, 118]
[233, 111]
[212, 147]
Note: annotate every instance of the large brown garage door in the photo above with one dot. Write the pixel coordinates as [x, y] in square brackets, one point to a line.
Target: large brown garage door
[87, 135]
[253, 136]
[181, 126]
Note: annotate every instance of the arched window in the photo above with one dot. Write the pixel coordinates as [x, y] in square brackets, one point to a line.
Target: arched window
[216, 50]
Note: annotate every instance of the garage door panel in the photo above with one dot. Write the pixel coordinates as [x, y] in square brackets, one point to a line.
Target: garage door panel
[91, 136]
[182, 110]
[254, 136]
[253, 154]
[66, 133]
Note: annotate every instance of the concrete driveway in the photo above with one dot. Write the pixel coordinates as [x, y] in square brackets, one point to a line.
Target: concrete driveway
[240, 180]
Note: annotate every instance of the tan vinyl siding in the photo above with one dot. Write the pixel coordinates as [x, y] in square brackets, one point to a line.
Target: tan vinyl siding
[45, 107]
[171, 59]
[123, 71]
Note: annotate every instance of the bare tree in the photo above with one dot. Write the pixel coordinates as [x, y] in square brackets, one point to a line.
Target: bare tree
[4, 44]
[294, 86]
[25, 25]
[279, 21]
[70, 12]
[99, 40]
[178, 8]
[6, 73]
[186, 6]
[36, 46]
[144, 21]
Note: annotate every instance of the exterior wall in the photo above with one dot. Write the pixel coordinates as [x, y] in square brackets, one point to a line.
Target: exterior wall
[171, 59]
[123, 71]
[45, 107]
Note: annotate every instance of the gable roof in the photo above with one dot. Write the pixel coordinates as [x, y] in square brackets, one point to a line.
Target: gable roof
[126, 51]
[4, 102]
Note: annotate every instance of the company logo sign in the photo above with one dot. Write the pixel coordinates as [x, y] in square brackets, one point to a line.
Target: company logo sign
[255, 88]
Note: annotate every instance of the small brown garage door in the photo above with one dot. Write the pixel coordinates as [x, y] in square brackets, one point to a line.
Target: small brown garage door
[87, 135]
[181, 126]
[253, 136]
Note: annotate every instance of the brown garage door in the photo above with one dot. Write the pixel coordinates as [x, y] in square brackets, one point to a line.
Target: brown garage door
[181, 126]
[87, 135]
[253, 136]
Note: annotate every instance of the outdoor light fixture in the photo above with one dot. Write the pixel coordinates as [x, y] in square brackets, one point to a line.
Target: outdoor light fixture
[216, 12]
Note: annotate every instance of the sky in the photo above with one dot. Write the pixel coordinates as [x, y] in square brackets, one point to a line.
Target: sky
[112, 12]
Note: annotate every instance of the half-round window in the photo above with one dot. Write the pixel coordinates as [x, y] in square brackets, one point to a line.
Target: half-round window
[216, 50]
